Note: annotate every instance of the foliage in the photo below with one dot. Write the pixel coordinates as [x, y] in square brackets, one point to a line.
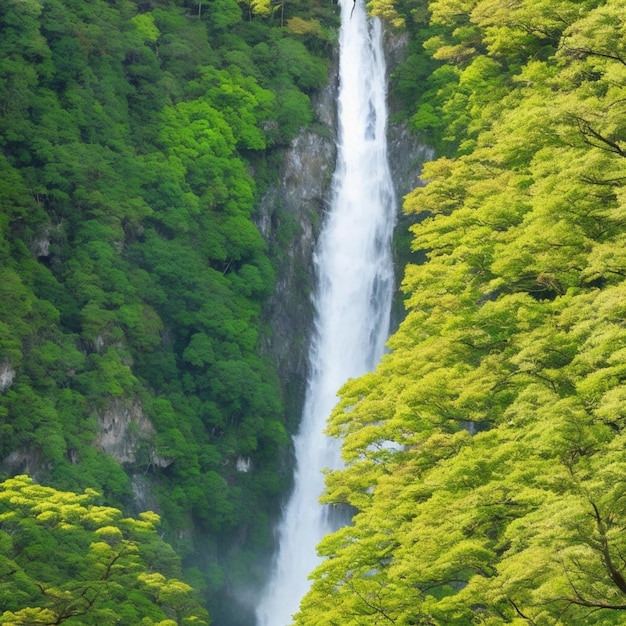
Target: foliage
[132, 277]
[485, 456]
[66, 560]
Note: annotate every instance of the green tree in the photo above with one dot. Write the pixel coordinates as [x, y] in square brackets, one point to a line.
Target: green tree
[483, 457]
[66, 559]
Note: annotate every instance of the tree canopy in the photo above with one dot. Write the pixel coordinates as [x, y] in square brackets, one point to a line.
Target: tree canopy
[64, 559]
[485, 456]
[136, 139]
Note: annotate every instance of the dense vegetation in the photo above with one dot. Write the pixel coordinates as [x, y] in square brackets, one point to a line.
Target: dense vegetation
[68, 560]
[486, 457]
[135, 141]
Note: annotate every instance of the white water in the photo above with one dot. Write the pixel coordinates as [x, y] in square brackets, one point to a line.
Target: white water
[354, 292]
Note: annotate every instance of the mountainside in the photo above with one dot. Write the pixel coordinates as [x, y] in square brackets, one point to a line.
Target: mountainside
[141, 143]
[136, 141]
[486, 456]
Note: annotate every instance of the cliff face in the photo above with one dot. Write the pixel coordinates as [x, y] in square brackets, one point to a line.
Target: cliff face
[406, 152]
[290, 216]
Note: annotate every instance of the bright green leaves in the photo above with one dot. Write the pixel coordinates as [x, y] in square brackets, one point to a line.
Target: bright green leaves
[386, 10]
[261, 7]
[572, 543]
[146, 28]
[484, 456]
[544, 204]
[66, 559]
[598, 37]
[199, 144]
[516, 32]
[483, 44]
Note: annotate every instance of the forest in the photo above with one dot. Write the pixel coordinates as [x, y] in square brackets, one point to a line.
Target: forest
[485, 458]
[136, 139]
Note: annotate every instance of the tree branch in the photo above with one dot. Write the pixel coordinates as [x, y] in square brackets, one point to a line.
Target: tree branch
[593, 53]
[519, 612]
[590, 134]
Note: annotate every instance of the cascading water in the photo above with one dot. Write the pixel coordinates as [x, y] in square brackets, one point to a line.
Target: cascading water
[355, 284]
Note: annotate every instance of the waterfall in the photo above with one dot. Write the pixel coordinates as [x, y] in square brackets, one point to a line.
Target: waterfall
[352, 302]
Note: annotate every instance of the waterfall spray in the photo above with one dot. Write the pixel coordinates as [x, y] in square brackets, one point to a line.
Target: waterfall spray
[352, 302]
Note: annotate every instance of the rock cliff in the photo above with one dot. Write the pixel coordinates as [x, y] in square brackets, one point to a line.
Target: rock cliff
[290, 216]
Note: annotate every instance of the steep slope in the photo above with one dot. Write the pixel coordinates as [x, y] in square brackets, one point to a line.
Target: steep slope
[136, 140]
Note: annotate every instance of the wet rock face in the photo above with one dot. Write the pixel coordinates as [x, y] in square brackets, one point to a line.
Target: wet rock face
[24, 461]
[406, 152]
[406, 156]
[289, 218]
[120, 427]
